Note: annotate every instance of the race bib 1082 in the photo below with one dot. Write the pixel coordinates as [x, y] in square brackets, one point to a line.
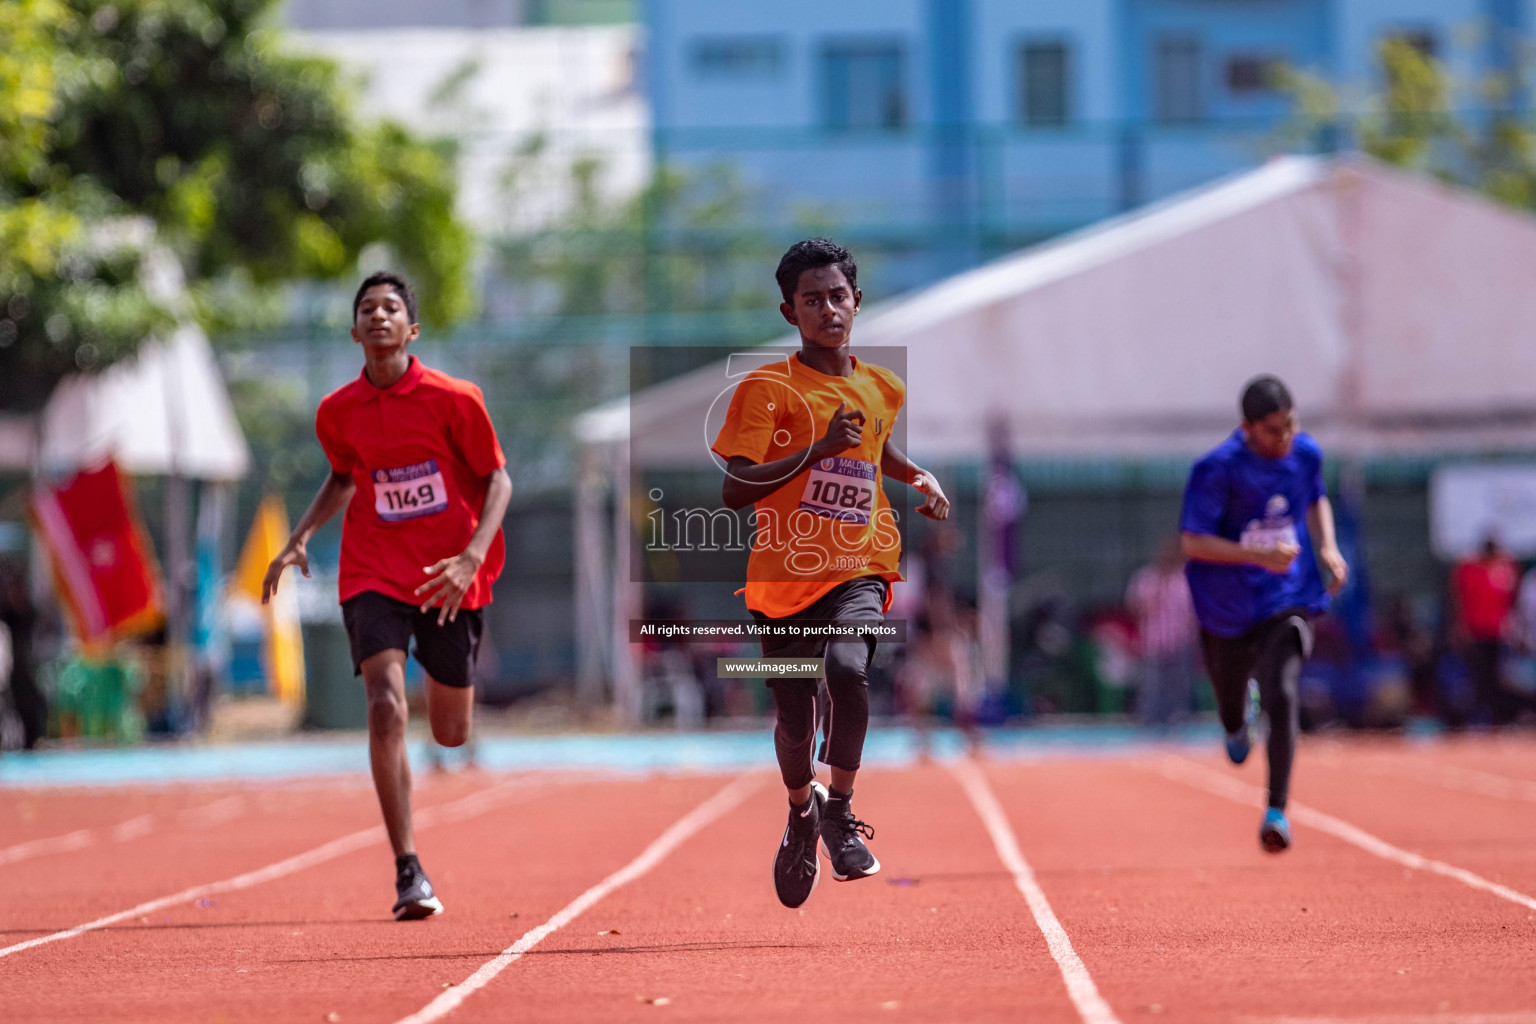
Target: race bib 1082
[841, 488]
[409, 492]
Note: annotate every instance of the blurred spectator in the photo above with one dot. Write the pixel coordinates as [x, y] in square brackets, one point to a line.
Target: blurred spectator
[1003, 505]
[1158, 597]
[670, 678]
[1522, 636]
[1483, 596]
[1103, 662]
[1402, 633]
[1522, 626]
[944, 660]
[20, 619]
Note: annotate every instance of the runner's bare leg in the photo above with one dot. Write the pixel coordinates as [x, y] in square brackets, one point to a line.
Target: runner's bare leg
[384, 676]
[451, 709]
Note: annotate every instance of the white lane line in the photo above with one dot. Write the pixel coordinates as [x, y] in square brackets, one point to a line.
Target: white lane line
[1080, 987]
[206, 816]
[1204, 778]
[1468, 780]
[216, 813]
[77, 840]
[319, 855]
[723, 800]
[133, 828]
[1424, 1018]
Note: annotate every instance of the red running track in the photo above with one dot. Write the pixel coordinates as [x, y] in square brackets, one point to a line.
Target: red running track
[1148, 863]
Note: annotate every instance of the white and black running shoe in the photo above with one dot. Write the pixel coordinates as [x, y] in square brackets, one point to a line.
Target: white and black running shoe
[415, 896]
[795, 865]
[842, 836]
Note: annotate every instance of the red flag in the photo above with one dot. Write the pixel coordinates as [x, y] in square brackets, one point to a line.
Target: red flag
[102, 562]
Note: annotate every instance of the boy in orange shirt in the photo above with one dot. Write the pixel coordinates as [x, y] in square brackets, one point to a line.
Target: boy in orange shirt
[808, 442]
[417, 467]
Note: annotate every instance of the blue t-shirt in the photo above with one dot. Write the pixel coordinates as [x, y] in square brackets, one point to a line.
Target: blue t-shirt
[1258, 503]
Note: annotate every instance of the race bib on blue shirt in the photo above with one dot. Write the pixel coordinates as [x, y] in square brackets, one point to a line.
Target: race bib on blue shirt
[1276, 528]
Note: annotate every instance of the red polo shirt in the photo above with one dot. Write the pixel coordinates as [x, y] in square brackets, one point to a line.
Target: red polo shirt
[1486, 590]
[419, 452]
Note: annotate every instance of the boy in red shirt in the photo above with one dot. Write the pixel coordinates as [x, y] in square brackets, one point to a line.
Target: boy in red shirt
[1483, 592]
[415, 462]
[808, 442]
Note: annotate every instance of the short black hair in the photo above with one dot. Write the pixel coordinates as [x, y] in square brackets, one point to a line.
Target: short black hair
[395, 281]
[812, 254]
[1265, 396]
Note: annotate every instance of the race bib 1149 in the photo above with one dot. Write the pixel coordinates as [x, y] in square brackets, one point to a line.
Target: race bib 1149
[409, 491]
[840, 488]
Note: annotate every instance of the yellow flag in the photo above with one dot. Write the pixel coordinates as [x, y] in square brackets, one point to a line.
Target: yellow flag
[284, 661]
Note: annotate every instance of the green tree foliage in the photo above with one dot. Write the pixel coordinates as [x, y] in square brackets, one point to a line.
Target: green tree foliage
[247, 160]
[68, 296]
[680, 245]
[277, 416]
[1417, 123]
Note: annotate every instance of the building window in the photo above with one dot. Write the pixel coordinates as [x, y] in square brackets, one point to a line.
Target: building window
[738, 56]
[1044, 71]
[1250, 75]
[863, 87]
[1176, 86]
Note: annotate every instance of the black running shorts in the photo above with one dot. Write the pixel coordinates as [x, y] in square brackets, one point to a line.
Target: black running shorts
[377, 622]
[857, 600]
[1232, 661]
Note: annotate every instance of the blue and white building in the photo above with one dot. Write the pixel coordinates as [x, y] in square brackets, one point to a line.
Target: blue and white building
[954, 128]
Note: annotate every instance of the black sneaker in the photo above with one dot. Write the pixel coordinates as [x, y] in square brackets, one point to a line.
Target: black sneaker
[842, 836]
[417, 899]
[795, 865]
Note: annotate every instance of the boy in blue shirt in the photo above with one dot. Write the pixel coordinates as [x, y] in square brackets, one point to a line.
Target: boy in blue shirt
[1258, 532]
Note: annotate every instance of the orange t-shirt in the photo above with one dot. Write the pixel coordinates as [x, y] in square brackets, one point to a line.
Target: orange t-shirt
[419, 452]
[830, 521]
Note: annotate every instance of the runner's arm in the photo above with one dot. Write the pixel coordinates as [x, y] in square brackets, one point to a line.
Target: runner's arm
[747, 481]
[895, 464]
[1207, 547]
[498, 495]
[332, 497]
[450, 579]
[1325, 542]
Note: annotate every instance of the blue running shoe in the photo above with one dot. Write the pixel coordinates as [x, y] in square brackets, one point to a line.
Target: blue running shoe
[1241, 742]
[1275, 833]
[1238, 746]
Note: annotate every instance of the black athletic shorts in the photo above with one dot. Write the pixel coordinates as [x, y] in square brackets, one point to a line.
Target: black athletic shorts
[857, 600]
[377, 622]
[1232, 661]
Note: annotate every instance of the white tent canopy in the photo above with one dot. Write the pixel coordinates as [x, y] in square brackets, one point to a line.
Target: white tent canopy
[1399, 311]
[164, 412]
